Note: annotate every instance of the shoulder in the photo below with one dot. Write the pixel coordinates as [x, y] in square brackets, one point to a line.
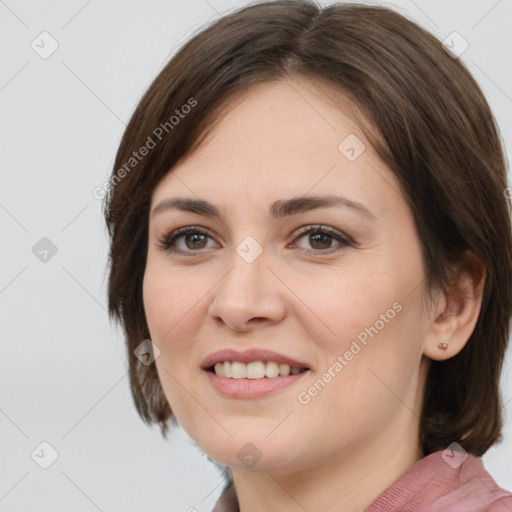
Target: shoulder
[503, 504]
[451, 482]
[468, 487]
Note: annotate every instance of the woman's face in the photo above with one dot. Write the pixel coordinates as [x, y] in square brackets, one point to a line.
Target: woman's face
[345, 300]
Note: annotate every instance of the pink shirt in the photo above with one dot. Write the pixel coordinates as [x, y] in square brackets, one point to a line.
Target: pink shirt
[433, 484]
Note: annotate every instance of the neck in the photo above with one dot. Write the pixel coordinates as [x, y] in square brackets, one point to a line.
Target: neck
[349, 480]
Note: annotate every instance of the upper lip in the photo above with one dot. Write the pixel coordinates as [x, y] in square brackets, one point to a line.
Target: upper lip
[248, 356]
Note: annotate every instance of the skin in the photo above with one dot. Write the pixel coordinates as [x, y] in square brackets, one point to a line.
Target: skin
[361, 432]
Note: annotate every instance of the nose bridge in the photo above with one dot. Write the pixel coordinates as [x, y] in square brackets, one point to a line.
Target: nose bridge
[247, 266]
[248, 289]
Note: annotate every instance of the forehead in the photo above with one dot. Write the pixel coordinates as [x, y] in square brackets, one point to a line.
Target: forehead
[289, 111]
[279, 139]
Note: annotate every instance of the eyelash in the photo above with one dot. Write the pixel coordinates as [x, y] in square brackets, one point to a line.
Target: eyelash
[167, 241]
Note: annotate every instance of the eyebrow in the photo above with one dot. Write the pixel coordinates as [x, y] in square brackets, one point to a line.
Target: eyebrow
[278, 209]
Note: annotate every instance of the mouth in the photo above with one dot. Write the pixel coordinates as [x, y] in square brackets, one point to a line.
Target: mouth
[252, 374]
[254, 370]
[254, 385]
[252, 364]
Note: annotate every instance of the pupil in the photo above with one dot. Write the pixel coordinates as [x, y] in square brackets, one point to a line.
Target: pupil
[314, 239]
[195, 237]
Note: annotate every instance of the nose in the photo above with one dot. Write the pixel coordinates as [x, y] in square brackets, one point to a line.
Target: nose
[249, 295]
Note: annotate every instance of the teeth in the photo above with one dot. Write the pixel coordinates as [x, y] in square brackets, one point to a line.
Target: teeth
[238, 370]
[254, 370]
[272, 369]
[284, 369]
[219, 369]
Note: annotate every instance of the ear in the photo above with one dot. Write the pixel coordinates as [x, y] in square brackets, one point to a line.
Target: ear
[456, 312]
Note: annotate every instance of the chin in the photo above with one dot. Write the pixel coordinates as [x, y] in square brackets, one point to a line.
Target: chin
[252, 452]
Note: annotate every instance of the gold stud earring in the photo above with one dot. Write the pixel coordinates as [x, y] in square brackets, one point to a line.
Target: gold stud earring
[443, 346]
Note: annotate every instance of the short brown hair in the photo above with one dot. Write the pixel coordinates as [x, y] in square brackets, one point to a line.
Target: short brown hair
[429, 122]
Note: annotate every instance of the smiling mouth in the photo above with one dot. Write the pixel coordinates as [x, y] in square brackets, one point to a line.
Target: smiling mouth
[254, 370]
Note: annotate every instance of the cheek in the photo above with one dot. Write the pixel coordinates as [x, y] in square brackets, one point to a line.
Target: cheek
[366, 326]
[344, 307]
[169, 313]
[157, 304]
[169, 303]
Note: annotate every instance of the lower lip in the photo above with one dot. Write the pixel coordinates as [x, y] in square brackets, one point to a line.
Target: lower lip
[251, 388]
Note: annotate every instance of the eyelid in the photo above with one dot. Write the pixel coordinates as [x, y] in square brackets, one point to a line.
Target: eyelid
[326, 229]
[166, 241]
[342, 239]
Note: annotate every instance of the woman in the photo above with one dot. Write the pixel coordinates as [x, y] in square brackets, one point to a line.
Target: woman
[309, 221]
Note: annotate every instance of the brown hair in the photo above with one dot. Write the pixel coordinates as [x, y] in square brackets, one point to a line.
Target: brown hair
[429, 122]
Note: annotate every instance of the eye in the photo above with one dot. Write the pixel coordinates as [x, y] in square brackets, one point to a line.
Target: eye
[321, 238]
[193, 237]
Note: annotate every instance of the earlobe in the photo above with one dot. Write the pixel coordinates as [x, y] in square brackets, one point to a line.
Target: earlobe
[452, 327]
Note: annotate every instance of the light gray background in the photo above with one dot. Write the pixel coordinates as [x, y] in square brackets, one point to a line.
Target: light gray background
[63, 366]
